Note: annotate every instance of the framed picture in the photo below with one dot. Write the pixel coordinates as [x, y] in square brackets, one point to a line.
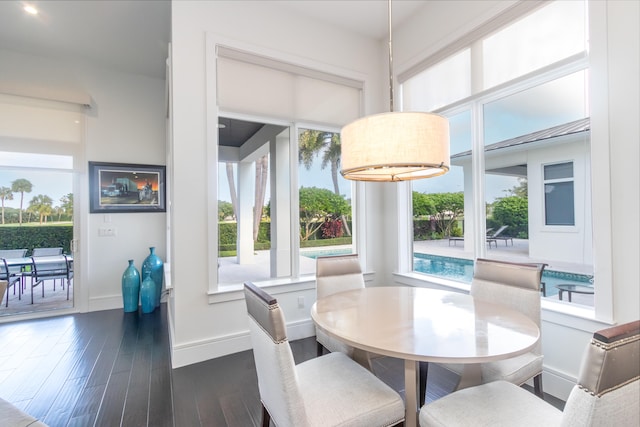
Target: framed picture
[122, 187]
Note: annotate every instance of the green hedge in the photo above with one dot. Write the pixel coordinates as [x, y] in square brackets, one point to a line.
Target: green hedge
[227, 238]
[30, 237]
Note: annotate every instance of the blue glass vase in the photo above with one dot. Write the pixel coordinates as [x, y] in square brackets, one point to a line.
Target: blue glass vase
[155, 266]
[148, 293]
[130, 288]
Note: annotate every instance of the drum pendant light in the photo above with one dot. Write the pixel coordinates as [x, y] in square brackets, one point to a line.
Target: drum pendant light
[395, 146]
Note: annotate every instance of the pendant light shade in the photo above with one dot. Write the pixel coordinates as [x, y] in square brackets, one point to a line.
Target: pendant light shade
[396, 146]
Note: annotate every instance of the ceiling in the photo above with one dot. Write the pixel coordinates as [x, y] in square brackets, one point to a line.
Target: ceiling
[132, 36]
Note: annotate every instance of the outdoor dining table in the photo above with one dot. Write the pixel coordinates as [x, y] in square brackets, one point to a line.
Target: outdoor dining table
[425, 325]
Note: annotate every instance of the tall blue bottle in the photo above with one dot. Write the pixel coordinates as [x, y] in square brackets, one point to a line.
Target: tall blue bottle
[155, 266]
[147, 293]
[130, 288]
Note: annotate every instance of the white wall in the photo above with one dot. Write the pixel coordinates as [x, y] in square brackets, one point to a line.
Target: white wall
[124, 124]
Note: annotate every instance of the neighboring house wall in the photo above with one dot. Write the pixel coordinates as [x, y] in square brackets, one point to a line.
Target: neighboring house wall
[571, 244]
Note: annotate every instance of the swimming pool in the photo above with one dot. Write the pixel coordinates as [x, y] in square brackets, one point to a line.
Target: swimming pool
[326, 252]
[461, 270]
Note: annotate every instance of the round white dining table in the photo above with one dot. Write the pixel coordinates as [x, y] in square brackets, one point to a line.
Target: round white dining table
[425, 325]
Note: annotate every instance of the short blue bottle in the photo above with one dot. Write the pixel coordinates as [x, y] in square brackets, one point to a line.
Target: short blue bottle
[130, 288]
[148, 293]
[154, 264]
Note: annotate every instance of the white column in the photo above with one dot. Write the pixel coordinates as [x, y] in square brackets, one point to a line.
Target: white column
[246, 183]
[280, 178]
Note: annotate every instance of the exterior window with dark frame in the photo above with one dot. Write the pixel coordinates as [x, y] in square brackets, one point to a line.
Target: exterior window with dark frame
[559, 194]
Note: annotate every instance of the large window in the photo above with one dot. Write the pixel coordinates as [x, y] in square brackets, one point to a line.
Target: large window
[255, 223]
[511, 137]
[281, 200]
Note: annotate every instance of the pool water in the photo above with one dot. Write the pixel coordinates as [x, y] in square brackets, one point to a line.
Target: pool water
[462, 270]
[326, 252]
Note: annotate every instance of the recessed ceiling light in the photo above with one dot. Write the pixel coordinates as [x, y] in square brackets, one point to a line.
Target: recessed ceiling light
[30, 9]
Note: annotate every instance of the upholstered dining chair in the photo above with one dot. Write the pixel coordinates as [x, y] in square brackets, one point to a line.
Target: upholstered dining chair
[607, 392]
[336, 274]
[331, 390]
[517, 286]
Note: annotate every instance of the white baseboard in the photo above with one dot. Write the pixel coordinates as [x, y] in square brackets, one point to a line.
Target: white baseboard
[105, 303]
[557, 384]
[199, 351]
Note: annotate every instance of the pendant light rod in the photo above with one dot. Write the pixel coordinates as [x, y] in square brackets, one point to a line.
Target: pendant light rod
[395, 146]
[390, 61]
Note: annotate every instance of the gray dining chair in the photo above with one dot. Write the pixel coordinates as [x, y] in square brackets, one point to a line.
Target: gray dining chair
[336, 273]
[607, 392]
[339, 273]
[517, 286]
[331, 390]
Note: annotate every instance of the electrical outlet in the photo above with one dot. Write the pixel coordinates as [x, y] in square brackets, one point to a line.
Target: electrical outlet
[300, 302]
[107, 232]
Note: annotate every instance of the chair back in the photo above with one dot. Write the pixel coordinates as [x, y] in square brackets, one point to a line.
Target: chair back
[498, 232]
[4, 269]
[515, 285]
[608, 388]
[3, 288]
[50, 267]
[338, 273]
[275, 366]
[46, 251]
[13, 253]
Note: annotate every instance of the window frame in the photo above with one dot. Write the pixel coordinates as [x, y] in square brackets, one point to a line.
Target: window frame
[600, 190]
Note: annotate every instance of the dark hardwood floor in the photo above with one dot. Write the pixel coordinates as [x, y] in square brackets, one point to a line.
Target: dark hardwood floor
[111, 368]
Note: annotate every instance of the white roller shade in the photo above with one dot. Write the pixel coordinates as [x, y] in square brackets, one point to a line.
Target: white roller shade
[261, 86]
[35, 119]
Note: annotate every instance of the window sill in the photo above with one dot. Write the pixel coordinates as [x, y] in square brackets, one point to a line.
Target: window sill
[235, 292]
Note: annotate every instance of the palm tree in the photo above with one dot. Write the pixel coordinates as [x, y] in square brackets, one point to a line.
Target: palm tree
[232, 189]
[5, 194]
[262, 171]
[67, 204]
[21, 186]
[312, 142]
[42, 205]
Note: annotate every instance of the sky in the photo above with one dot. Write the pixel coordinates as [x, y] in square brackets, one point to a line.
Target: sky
[42, 170]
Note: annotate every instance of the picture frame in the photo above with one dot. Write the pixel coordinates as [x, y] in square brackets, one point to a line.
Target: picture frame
[125, 187]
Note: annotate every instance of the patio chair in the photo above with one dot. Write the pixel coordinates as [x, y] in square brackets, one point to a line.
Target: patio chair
[50, 268]
[12, 273]
[46, 251]
[331, 390]
[10, 278]
[498, 236]
[607, 392]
